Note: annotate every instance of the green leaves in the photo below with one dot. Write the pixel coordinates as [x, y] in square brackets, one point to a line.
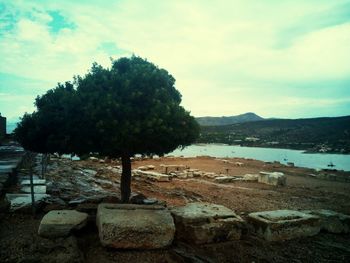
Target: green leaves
[133, 107]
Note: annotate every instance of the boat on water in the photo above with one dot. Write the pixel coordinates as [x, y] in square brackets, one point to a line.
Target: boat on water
[330, 164]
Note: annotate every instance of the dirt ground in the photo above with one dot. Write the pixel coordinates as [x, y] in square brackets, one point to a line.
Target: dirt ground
[302, 191]
[19, 241]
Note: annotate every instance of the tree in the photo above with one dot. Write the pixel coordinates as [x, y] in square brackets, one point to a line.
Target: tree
[49, 129]
[131, 108]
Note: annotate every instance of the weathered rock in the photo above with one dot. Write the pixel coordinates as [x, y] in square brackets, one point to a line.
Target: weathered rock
[151, 167]
[89, 172]
[197, 174]
[182, 175]
[251, 177]
[224, 179]
[59, 223]
[332, 221]
[274, 178]
[24, 201]
[210, 175]
[152, 175]
[167, 169]
[201, 223]
[35, 182]
[38, 189]
[134, 226]
[281, 225]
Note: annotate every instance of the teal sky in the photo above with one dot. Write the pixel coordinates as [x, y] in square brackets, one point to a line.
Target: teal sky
[288, 59]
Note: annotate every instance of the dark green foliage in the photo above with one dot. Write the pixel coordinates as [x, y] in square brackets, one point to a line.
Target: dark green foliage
[47, 129]
[131, 108]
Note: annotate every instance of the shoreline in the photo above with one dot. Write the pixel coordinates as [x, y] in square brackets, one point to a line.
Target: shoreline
[304, 150]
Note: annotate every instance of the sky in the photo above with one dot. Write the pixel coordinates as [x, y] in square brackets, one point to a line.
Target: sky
[287, 59]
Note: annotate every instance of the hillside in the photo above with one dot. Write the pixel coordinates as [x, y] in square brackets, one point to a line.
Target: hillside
[315, 135]
[226, 120]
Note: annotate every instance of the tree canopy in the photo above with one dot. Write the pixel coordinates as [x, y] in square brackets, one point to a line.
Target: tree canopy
[131, 108]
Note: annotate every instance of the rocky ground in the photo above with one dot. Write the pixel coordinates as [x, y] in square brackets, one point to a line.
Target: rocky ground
[84, 184]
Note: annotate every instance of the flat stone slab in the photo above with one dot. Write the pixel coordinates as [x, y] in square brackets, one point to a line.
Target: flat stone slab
[332, 221]
[38, 189]
[35, 182]
[59, 223]
[224, 179]
[19, 201]
[152, 175]
[274, 178]
[26, 177]
[134, 226]
[281, 225]
[201, 223]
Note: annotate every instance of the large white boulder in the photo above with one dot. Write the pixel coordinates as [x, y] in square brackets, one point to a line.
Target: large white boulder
[59, 223]
[134, 226]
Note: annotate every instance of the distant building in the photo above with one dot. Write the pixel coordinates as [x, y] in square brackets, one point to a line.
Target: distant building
[2, 128]
[252, 139]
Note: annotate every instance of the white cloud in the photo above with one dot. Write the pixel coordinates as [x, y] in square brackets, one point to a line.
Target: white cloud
[222, 53]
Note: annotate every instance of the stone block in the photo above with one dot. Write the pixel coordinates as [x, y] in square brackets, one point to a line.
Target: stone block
[35, 182]
[23, 201]
[201, 223]
[60, 223]
[151, 167]
[38, 189]
[274, 178]
[167, 169]
[224, 179]
[132, 226]
[210, 175]
[281, 225]
[251, 177]
[332, 221]
[152, 175]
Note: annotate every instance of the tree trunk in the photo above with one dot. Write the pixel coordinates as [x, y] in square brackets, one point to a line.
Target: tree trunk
[125, 182]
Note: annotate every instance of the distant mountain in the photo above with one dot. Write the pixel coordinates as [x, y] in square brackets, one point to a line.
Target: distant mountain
[314, 134]
[227, 120]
